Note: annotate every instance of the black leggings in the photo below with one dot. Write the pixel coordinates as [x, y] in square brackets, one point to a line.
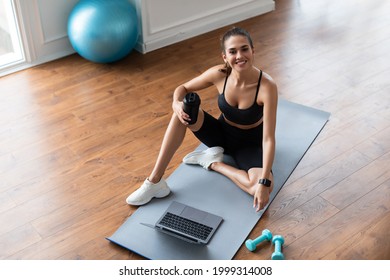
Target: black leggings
[244, 145]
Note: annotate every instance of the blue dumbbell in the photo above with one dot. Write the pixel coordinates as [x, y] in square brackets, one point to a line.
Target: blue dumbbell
[265, 235]
[278, 240]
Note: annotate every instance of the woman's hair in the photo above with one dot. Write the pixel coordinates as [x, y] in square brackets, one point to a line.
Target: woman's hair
[235, 31]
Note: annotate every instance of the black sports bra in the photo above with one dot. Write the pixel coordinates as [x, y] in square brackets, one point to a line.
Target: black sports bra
[246, 116]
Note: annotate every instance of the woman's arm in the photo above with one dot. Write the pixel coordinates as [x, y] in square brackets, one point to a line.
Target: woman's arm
[208, 78]
[270, 100]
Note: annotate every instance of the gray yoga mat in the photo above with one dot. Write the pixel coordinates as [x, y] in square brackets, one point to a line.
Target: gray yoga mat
[297, 128]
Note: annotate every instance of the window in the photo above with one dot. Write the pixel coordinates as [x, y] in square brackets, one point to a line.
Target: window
[11, 50]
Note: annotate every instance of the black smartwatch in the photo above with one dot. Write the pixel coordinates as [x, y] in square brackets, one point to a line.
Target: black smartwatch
[265, 182]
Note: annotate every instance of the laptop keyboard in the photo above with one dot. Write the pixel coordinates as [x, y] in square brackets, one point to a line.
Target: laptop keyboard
[186, 226]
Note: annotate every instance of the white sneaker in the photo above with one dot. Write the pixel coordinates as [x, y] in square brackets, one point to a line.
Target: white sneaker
[147, 191]
[205, 158]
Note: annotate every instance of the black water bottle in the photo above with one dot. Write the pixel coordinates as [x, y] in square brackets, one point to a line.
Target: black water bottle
[191, 106]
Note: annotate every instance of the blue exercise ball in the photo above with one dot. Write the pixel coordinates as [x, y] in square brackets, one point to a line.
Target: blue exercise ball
[103, 31]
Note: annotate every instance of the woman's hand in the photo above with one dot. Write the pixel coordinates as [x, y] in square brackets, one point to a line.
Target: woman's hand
[177, 107]
[261, 197]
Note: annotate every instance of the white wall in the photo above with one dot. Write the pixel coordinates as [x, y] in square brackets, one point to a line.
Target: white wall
[162, 22]
[45, 24]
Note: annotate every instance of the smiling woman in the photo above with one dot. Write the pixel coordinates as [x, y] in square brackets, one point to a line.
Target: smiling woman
[245, 129]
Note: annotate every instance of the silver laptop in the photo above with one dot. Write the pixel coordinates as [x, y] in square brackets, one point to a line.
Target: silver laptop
[188, 223]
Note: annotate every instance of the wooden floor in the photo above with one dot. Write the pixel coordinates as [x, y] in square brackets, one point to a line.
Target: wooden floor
[76, 137]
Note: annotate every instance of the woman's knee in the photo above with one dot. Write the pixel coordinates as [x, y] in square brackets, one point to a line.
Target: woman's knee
[254, 175]
[175, 120]
[199, 122]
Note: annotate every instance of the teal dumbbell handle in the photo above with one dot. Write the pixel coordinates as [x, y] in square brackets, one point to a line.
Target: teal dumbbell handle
[278, 240]
[251, 244]
[278, 246]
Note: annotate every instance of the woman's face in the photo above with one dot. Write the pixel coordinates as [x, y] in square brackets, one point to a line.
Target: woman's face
[238, 53]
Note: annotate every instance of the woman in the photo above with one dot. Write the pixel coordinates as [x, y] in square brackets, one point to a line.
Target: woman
[245, 130]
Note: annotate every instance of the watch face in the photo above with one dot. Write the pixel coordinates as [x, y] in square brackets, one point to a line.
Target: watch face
[265, 182]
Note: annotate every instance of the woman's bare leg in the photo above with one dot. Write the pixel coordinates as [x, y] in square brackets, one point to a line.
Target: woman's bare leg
[247, 181]
[239, 177]
[173, 138]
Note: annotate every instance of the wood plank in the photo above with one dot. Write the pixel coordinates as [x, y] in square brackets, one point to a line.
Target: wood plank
[89, 205]
[358, 184]
[72, 237]
[371, 243]
[53, 162]
[337, 230]
[316, 182]
[96, 249]
[17, 240]
[6, 202]
[377, 145]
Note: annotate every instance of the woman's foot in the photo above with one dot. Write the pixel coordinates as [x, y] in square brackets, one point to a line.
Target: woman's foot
[205, 158]
[147, 191]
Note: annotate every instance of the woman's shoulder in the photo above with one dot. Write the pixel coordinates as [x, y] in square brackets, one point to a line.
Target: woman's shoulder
[215, 73]
[217, 70]
[268, 81]
[268, 89]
